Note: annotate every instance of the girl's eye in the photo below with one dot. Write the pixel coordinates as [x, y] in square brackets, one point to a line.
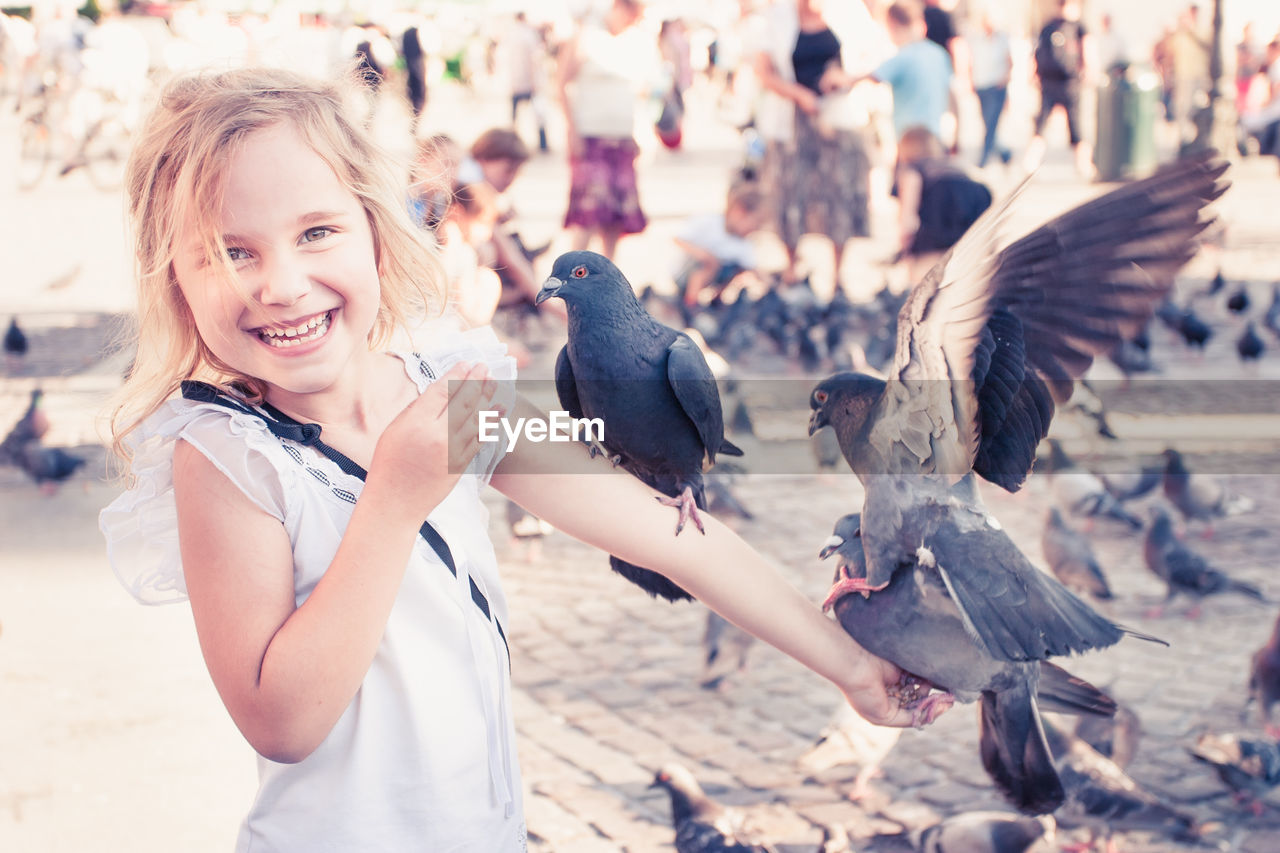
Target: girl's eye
[236, 253]
[579, 272]
[318, 233]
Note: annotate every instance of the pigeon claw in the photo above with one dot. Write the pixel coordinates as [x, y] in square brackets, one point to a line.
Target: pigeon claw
[688, 509]
[930, 708]
[846, 586]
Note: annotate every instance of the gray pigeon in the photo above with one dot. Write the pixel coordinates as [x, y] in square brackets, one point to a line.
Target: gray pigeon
[1199, 497]
[1071, 558]
[916, 624]
[702, 825]
[983, 832]
[648, 383]
[1250, 768]
[1105, 799]
[1264, 679]
[1183, 570]
[1083, 493]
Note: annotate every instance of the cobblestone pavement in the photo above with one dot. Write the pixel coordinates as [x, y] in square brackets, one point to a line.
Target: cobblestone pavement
[117, 740]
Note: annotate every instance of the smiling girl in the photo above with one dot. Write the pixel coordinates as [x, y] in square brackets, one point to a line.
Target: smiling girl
[284, 463]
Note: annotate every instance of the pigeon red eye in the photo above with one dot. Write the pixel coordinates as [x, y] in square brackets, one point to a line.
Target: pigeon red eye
[579, 272]
[820, 396]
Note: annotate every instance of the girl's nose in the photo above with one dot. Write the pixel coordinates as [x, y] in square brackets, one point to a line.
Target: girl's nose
[284, 282]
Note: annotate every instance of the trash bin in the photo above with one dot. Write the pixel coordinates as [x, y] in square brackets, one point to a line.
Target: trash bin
[1128, 101]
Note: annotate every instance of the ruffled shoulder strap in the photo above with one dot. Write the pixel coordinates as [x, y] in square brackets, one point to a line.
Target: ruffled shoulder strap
[141, 525]
[480, 344]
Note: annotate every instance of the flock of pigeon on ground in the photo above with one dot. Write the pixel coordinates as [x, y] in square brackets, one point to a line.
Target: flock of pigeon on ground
[24, 445]
[980, 355]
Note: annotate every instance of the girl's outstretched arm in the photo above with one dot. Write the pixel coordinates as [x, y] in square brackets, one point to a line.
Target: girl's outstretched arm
[612, 510]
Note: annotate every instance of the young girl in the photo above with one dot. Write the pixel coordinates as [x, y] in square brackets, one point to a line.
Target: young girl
[284, 464]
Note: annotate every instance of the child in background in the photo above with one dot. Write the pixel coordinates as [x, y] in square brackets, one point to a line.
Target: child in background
[937, 200]
[717, 255]
[432, 179]
[283, 465]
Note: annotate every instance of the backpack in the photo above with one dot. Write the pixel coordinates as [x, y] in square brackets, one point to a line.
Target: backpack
[1058, 50]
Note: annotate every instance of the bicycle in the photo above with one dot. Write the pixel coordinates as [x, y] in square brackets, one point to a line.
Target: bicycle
[102, 148]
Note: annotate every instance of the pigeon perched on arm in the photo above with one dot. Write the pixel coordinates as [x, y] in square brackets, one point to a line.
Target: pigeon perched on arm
[702, 825]
[1264, 679]
[1071, 558]
[1183, 570]
[989, 341]
[1199, 497]
[916, 624]
[649, 384]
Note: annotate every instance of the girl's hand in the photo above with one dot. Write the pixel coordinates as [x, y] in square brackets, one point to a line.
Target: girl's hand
[423, 452]
[869, 694]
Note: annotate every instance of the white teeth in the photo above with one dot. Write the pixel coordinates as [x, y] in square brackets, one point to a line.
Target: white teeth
[309, 331]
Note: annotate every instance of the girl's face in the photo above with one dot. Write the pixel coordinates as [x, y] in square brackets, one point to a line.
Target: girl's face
[302, 247]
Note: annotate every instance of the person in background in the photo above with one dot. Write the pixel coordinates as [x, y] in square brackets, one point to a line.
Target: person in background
[825, 168]
[523, 54]
[415, 66]
[602, 74]
[937, 200]
[1060, 54]
[919, 73]
[991, 64]
[940, 28]
[1189, 52]
[432, 178]
[717, 257]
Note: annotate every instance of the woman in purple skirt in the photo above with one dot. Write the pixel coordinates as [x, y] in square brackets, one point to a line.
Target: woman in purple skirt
[603, 71]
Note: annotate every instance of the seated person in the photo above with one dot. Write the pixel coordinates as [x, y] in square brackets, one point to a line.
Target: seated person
[716, 254]
[937, 200]
[432, 179]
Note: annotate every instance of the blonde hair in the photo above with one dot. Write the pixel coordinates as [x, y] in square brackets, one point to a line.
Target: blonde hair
[175, 178]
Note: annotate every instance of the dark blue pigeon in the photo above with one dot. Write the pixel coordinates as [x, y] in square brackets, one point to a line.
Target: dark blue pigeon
[648, 383]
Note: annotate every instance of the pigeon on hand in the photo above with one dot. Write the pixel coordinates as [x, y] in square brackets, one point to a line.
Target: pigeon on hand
[1105, 799]
[1264, 679]
[1199, 497]
[916, 624]
[1071, 558]
[989, 341]
[702, 825]
[648, 383]
[1115, 737]
[1182, 569]
[1250, 768]
[1083, 493]
[984, 832]
[849, 740]
[15, 346]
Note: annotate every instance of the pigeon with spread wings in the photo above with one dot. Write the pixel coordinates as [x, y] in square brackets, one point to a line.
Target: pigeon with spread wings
[989, 342]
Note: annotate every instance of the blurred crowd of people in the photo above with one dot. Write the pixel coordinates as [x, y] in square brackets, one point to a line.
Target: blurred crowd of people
[842, 107]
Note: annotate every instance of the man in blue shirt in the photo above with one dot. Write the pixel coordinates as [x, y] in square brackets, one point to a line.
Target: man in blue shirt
[919, 73]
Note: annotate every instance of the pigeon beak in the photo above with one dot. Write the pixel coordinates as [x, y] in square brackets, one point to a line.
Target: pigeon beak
[550, 288]
[817, 421]
[829, 547]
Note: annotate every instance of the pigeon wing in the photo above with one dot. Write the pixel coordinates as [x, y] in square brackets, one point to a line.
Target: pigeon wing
[566, 385]
[991, 338]
[695, 388]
